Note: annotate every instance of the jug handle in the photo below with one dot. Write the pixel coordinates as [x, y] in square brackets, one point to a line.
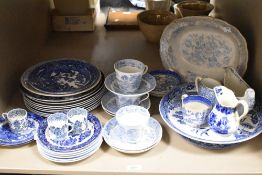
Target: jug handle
[245, 108]
[196, 82]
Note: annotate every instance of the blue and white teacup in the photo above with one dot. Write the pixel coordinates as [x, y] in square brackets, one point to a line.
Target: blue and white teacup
[77, 117]
[129, 74]
[204, 87]
[126, 100]
[133, 120]
[195, 109]
[17, 120]
[58, 126]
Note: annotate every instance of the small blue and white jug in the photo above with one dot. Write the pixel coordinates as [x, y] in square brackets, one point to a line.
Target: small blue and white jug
[225, 116]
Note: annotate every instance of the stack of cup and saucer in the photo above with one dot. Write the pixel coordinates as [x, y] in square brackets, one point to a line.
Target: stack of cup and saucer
[71, 137]
[128, 85]
[132, 130]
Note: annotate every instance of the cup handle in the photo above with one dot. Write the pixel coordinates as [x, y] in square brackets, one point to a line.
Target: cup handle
[71, 129]
[146, 69]
[182, 98]
[197, 81]
[4, 116]
[143, 99]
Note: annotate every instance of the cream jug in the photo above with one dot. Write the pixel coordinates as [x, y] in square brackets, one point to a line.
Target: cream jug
[226, 114]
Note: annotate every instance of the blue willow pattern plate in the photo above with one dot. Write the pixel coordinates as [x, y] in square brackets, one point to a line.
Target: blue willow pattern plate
[170, 110]
[8, 138]
[166, 80]
[148, 83]
[72, 143]
[202, 46]
[61, 76]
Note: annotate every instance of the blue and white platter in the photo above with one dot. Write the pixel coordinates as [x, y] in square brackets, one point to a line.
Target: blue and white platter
[148, 83]
[202, 46]
[72, 143]
[113, 136]
[61, 77]
[8, 138]
[170, 110]
[166, 80]
[108, 103]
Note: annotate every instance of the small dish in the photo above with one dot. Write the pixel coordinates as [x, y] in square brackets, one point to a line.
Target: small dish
[8, 138]
[148, 83]
[109, 104]
[113, 136]
[166, 80]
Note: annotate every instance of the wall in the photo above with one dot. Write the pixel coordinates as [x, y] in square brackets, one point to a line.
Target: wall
[23, 32]
[246, 15]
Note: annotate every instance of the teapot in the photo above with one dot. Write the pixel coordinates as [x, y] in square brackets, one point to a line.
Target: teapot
[226, 114]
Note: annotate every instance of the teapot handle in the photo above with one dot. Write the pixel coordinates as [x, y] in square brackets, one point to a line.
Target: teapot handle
[197, 81]
[245, 108]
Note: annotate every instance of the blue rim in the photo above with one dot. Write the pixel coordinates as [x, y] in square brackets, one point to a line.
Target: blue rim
[197, 98]
[25, 138]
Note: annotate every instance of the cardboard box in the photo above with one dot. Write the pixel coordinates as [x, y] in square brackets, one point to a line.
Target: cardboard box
[74, 23]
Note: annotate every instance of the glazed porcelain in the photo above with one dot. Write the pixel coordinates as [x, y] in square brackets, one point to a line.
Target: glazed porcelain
[202, 46]
[77, 117]
[58, 126]
[236, 83]
[129, 74]
[224, 117]
[133, 120]
[110, 106]
[170, 111]
[205, 87]
[166, 80]
[17, 120]
[123, 100]
[148, 83]
[113, 135]
[12, 139]
[195, 109]
[62, 77]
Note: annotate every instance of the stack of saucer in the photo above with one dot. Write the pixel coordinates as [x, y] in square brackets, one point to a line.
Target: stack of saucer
[74, 147]
[128, 85]
[58, 85]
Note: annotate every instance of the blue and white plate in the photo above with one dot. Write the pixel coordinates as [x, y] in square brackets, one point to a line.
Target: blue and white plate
[73, 143]
[202, 46]
[170, 110]
[148, 83]
[60, 77]
[166, 80]
[108, 103]
[113, 136]
[8, 138]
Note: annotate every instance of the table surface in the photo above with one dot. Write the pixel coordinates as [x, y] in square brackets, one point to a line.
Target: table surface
[173, 155]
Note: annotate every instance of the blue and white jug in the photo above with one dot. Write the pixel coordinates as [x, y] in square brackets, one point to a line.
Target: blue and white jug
[226, 114]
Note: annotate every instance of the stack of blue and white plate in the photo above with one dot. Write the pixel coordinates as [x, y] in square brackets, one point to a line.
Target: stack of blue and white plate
[72, 149]
[58, 85]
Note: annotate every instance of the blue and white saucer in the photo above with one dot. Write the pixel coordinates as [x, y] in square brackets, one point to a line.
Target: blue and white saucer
[61, 77]
[8, 138]
[113, 136]
[148, 83]
[166, 80]
[108, 103]
[170, 110]
[72, 143]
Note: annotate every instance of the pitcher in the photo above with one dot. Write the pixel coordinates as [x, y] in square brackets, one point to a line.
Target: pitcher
[226, 115]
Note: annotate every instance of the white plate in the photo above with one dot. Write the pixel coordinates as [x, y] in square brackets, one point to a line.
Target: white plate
[113, 136]
[203, 46]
